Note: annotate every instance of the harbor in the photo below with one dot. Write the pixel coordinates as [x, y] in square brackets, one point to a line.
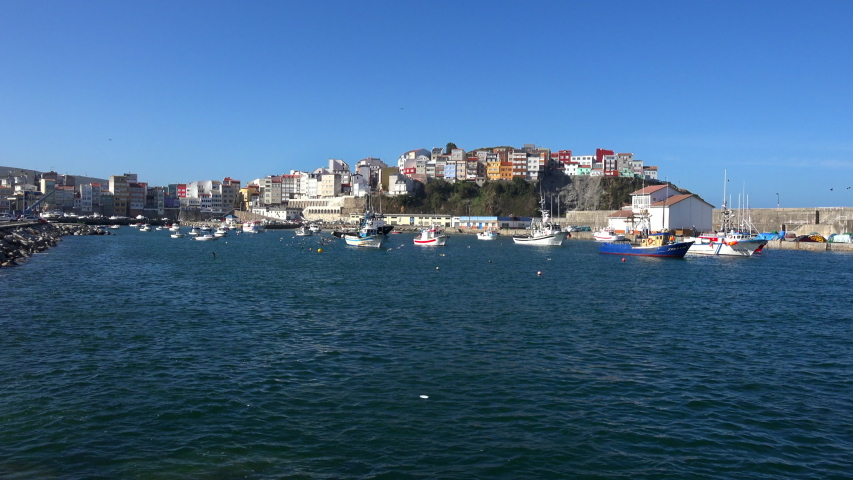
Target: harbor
[475, 359]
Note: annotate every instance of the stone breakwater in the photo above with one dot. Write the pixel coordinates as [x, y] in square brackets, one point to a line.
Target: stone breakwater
[18, 243]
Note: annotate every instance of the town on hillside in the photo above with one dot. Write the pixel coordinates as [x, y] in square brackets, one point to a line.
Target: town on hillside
[322, 194]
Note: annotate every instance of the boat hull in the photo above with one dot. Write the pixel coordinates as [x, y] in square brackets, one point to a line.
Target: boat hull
[373, 241]
[554, 239]
[432, 242]
[480, 236]
[741, 248]
[673, 250]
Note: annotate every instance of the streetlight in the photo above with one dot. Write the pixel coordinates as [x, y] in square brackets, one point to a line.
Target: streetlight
[777, 201]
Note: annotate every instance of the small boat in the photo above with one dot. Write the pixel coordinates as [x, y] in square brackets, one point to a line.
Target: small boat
[395, 232]
[175, 227]
[145, 228]
[206, 237]
[840, 238]
[542, 232]
[655, 245]
[221, 232]
[490, 234]
[253, 227]
[431, 236]
[177, 235]
[194, 232]
[115, 227]
[607, 235]
[304, 231]
[314, 228]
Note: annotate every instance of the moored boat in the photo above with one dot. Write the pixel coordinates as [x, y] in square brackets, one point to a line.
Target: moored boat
[607, 235]
[177, 235]
[194, 232]
[542, 232]
[731, 244]
[655, 245]
[253, 227]
[371, 234]
[490, 234]
[431, 236]
[303, 231]
[206, 237]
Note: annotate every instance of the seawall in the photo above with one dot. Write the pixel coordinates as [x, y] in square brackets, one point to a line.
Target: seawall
[19, 241]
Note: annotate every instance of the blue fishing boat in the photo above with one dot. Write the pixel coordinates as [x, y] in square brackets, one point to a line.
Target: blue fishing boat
[655, 245]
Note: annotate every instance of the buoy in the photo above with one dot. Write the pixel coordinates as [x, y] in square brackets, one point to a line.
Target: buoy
[319, 250]
[623, 259]
[539, 273]
[437, 268]
[490, 261]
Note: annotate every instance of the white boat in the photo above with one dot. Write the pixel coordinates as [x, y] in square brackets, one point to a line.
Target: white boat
[177, 235]
[731, 244]
[490, 234]
[253, 227]
[145, 228]
[175, 227]
[431, 236]
[369, 235]
[115, 227]
[542, 232]
[314, 228]
[206, 237]
[303, 231]
[221, 232]
[607, 235]
[734, 241]
[194, 232]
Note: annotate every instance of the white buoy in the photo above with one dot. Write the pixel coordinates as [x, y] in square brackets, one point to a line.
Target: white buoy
[424, 396]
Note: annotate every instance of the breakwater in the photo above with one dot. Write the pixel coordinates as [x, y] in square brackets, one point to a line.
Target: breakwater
[20, 241]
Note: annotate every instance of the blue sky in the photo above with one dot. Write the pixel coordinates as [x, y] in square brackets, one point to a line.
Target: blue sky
[178, 91]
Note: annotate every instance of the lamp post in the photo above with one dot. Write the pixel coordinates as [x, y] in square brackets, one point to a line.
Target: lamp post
[777, 201]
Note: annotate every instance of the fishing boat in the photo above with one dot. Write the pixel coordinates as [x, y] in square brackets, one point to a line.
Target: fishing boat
[369, 234]
[206, 237]
[654, 245]
[730, 244]
[145, 228]
[314, 228]
[175, 227]
[607, 235]
[177, 235]
[542, 232]
[253, 227]
[490, 234]
[222, 231]
[303, 231]
[194, 232]
[735, 238]
[431, 236]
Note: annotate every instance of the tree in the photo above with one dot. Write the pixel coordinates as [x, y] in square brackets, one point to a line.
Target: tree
[450, 146]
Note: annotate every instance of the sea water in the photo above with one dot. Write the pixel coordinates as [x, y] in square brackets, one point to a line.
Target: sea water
[258, 356]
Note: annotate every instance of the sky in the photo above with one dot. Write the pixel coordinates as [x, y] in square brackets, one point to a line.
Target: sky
[755, 92]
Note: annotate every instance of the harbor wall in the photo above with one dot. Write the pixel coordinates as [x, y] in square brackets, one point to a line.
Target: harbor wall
[802, 221]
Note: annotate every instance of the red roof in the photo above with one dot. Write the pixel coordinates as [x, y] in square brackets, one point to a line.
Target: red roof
[671, 200]
[621, 214]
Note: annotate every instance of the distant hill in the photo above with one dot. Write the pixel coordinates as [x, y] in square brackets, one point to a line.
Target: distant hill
[518, 197]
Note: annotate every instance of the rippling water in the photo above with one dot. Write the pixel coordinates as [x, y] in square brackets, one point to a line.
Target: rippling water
[142, 356]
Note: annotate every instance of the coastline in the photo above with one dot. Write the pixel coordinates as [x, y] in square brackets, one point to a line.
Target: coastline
[20, 241]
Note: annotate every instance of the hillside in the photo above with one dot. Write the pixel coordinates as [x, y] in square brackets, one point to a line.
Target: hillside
[519, 197]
